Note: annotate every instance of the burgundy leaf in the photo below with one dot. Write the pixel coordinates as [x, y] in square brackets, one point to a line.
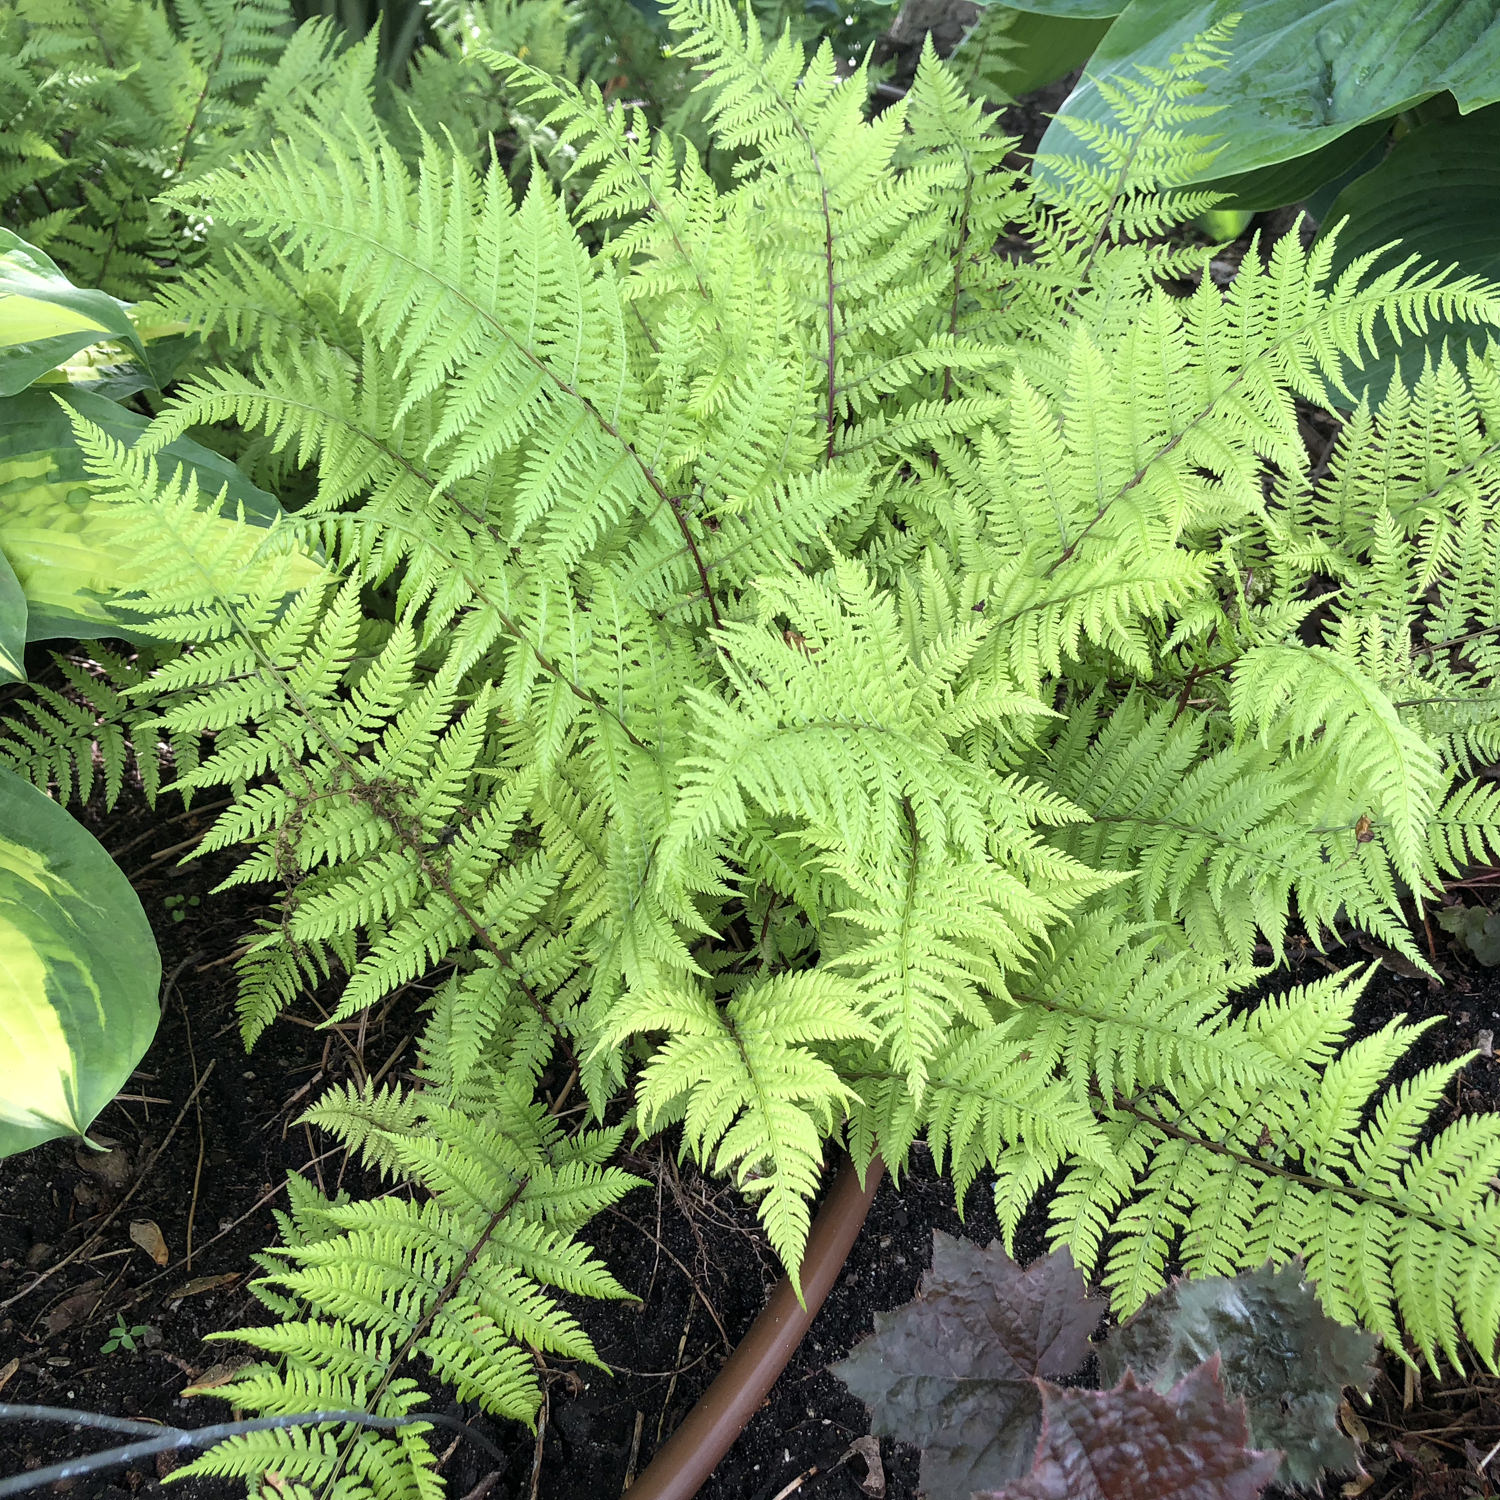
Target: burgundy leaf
[1134, 1443]
[954, 1370]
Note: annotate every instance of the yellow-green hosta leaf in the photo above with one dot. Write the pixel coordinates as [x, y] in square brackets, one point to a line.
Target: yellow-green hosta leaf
[68, 550]
[79, 972]
[12, 625]
[44, 318]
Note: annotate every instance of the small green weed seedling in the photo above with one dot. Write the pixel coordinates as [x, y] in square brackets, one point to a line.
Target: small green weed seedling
[124, 1337]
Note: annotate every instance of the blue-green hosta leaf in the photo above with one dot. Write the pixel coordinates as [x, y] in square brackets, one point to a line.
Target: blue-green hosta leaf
[1300, 75]
[1073, 10]
[1300, 177]
[44, 318]
[12, 625]
[79, 972]
[1278, 1348]
[1437, 194]
[65, 548]
[1038, 48]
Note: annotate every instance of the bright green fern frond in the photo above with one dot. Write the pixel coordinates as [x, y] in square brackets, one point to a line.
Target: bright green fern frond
[463, 1280]
[1291, 694]
[752, 1093]
[1321, 1164]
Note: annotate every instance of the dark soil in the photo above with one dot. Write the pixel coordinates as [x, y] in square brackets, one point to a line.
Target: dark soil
[206, 1136]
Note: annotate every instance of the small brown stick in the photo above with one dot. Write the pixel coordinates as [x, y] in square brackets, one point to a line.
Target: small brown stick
[635, 1450]
[797, 1483]
[338, 1031]
[390, 1062]
[679, 1196]
[666, 1403]
[187, 1258]
[162, 854]
[114, 1213]
[233, 956]
[359, 1045]
[541, 1437]
[317, 1164]
[156, 826]
[620, 1369]
[291, 1099]
[484, 1486]
[564, 1091]
[656, 1262]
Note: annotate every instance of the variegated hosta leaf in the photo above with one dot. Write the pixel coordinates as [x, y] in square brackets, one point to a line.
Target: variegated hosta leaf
[44, 318]
[68, 550]
[12, 625]
[79, 972]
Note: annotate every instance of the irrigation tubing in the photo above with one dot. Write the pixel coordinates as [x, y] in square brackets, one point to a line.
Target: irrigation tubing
[708, 1432]
[169, 1439]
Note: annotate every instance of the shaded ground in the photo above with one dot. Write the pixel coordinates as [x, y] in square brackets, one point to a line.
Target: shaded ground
[206, 1135]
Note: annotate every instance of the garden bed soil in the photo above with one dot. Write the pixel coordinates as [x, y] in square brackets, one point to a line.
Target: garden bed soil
[206, 1134]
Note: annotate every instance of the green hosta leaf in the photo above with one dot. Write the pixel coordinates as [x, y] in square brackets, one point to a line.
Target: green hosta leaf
[12, 625]
[955, 1370]
[1475, 929]
[1299, 177]
[1076, 10]
[1041, 47]
[1301, 75]
[1279, 1350]
[44, 318]
[1135, 1443]
[79, 980]
[65, 548]
[1437, 193]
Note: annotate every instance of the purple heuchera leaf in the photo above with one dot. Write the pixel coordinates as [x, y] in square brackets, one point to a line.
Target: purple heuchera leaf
[1134, 1443]
[1279, 1350]
[954, 1371]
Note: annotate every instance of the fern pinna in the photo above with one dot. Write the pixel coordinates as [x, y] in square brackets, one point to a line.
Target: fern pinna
[828, 680]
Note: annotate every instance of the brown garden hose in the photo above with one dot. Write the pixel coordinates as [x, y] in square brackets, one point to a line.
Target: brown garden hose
[691, 1454]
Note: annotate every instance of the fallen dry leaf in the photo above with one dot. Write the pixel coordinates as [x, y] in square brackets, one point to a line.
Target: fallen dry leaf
[146, 1234]
[868, 1448]
[214, 1376]
[202, 1284]
[1349, 1420]
[8, 1369]
[73, 1307]
[1358, 1485]
[111, 1166]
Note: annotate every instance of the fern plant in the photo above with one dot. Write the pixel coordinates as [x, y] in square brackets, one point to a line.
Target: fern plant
[105, 102]
[820, 680]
